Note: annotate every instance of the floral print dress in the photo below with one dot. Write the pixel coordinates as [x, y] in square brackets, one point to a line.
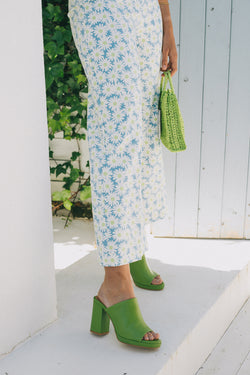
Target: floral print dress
[119, 44]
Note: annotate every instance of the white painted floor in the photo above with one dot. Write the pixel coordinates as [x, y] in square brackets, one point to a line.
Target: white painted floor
[207, 282]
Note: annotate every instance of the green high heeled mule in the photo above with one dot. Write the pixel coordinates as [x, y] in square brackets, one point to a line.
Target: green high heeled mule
[143, 275]
[127, 321]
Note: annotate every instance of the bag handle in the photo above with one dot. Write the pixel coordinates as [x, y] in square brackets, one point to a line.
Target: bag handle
[167, 76]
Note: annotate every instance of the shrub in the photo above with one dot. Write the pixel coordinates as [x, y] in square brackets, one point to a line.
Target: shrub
[66, 91]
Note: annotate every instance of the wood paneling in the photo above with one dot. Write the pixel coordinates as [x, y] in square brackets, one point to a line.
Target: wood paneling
[208, 183]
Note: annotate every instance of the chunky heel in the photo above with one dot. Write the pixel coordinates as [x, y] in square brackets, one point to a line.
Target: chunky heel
[100, 320]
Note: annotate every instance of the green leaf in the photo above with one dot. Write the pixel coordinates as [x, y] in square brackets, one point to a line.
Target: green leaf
[50, 10]
[48, 77]
[60, 169]
[74, 174]
[75, 155]
[57, 196]
[51, 49]
[54, 125]
[81, 78]
[76, 67]
[86, 193]
[52, 106]
[58, 37]
[68, 182]
[66, 194]
[57, 70]
[67, 204]
[67, 36]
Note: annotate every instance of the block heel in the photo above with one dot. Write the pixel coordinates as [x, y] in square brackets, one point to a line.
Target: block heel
[100, 320]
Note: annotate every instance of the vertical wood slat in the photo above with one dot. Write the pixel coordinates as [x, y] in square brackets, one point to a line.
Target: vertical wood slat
[214, 117]
[238, 126]
[166, 226]
[190, 100]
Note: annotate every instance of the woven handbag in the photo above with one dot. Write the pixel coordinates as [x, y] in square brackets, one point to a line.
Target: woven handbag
[171, 122]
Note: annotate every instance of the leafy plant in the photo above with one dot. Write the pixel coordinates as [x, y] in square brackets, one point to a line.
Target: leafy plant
[66, 90]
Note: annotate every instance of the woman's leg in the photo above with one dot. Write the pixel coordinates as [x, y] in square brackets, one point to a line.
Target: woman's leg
[105, 37]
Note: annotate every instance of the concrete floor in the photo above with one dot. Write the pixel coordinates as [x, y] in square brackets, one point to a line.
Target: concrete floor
[201, 277]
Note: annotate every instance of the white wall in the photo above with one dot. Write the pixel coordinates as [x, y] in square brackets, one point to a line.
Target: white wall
[27, 278]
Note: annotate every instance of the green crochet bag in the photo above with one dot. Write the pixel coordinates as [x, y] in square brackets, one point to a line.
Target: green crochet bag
[171, 122]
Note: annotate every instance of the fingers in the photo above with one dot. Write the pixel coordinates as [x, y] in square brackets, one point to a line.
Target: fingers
[171, 64]
[165, 65]
[173, 68]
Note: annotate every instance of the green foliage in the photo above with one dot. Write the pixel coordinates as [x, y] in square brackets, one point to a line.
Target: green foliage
[66, 89]
[86, 193]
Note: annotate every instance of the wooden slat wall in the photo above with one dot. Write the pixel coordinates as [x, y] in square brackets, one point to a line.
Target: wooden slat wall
[208, 184]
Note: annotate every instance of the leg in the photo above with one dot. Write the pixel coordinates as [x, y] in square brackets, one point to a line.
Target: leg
[104, 35]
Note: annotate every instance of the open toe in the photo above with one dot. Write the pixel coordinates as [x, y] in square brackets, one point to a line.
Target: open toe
[157, 280]
[143, 275]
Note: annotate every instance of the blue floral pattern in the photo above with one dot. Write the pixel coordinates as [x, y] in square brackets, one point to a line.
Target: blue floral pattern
[119, 44]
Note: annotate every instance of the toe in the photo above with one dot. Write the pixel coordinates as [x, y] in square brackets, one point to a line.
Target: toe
[157, 280]
[151, 335]
[156, 335]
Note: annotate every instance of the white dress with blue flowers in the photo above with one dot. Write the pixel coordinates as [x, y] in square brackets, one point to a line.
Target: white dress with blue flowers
[119, 44]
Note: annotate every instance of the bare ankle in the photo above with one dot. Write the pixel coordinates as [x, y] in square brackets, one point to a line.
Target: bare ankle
[117, 285]
[117, 276]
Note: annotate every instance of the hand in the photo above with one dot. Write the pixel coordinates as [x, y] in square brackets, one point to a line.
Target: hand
[169, 51]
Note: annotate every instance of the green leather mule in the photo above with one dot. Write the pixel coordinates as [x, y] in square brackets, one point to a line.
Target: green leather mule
[143, 275]
[127, 321]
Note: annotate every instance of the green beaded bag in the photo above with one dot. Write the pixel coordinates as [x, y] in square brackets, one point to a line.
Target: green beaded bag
[171, 122]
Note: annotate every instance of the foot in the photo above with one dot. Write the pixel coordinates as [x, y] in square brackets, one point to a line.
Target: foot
[157, 280]
[110, 295]
[141, 271]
